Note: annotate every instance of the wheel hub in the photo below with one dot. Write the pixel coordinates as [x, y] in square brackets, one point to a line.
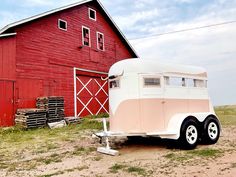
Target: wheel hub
[191, 134]
[212, 130]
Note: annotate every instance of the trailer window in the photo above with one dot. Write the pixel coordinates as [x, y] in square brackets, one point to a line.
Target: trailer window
[200, 83]
[175, 81]
[190, 82]
[152, 82]
[114, 84]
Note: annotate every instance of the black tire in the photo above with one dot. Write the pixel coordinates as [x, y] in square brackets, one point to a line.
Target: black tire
[211, 131]
[188, 134]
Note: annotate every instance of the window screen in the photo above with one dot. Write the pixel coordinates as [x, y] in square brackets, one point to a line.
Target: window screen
[100, 41]
[114, 84]
[152, 82]
[86, 36]
[62, 24]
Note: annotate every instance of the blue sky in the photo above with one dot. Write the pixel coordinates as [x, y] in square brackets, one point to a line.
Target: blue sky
[213, 48]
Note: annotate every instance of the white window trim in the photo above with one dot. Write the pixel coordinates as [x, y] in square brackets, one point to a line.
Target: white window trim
[102, 41]
[83, 36]
[95, 19]
[58, 23]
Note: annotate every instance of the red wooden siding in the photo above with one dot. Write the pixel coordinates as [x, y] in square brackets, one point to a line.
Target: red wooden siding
[6, 103]
[26, 92]
[7, 58]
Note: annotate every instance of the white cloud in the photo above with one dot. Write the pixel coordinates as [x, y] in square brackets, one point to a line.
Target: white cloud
[130, 20]
[184, 1]
[212, 48]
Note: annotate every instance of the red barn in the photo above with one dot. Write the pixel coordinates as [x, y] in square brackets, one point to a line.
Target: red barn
[62, 52]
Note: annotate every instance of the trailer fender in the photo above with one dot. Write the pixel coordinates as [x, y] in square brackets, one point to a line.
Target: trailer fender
[176, 121]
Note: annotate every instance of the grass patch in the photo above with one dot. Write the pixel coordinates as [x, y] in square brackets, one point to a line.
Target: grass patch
[27, 139]
[137, 170]
[97, 158]
[65, 171]
[115, 168]
[82, 150]
[192, 154]
[226, 114]
[91, 124]
[101, 115]
[17, 143]
[204, 152]
[130, 169]
[176, 157]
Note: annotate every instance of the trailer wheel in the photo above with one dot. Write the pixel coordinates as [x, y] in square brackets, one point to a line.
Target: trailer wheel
[189, 134]
[211, 131]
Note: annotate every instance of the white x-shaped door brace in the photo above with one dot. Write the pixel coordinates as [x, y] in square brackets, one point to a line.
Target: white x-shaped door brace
[85, 105]
[101, 89]
[84, 86]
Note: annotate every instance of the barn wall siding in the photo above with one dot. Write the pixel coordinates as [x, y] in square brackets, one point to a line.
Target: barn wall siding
[7, 58]
[46, 55]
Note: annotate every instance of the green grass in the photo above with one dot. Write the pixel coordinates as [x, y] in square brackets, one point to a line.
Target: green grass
[115, 168]
[183, 156]
[101, 115]
[83, 150]
[175, 156]
[130, 169]
[65, 171]
[17, 143]
[226, 114]
[54, 158]
[138, 170]
[205, 152]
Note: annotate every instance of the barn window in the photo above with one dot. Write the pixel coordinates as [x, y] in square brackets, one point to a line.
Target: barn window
[62, 24]
[156, 82]
[86, 36]
[100, 41]
[92, 14]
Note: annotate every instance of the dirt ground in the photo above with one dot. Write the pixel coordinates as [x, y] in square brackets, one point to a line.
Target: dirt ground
[142, 157]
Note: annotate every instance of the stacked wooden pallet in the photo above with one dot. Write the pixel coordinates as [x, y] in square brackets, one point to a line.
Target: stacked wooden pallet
[72, 120]
[31, 118]
[54, 106]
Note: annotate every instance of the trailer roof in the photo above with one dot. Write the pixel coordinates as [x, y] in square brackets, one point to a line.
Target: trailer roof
[152, 66]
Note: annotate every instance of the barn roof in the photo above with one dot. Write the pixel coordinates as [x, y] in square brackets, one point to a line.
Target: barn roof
[35, 17]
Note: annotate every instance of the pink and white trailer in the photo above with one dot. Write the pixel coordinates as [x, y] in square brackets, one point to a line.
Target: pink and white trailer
[148, 98]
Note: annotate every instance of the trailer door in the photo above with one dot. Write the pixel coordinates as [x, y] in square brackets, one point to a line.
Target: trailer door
[151, 102]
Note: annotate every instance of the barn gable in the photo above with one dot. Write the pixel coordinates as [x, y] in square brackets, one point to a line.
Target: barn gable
[10, 27]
